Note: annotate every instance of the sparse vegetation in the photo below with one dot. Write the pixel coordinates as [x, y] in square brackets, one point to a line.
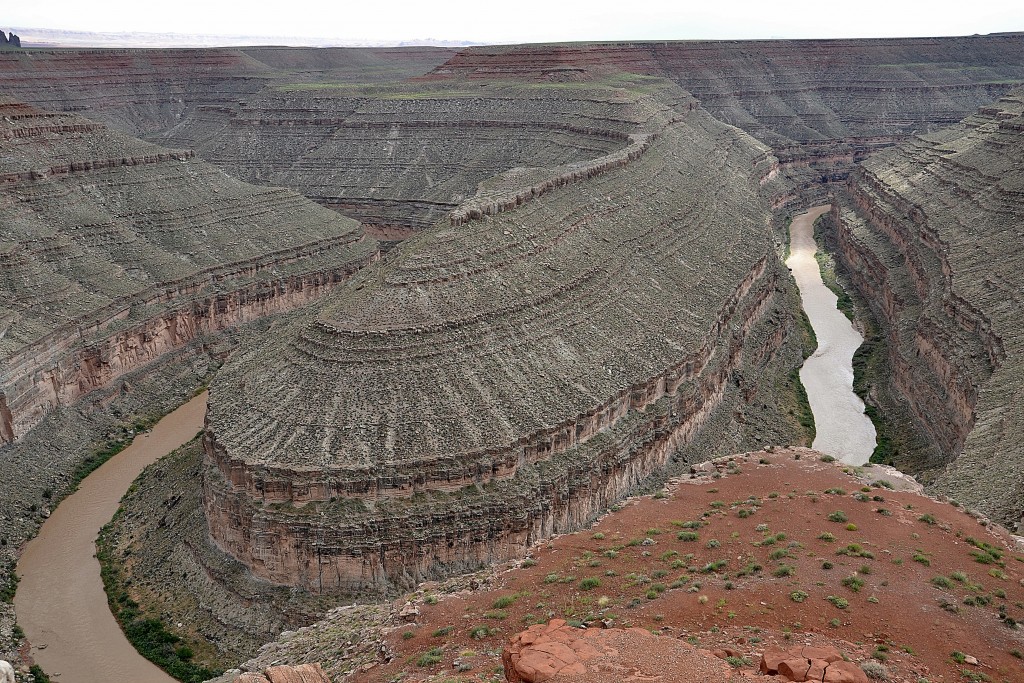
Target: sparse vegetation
[841, 603]
[430, 657]
[148, 634]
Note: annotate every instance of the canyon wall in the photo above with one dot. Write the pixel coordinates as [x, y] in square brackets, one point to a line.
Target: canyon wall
[927, 233]
[401, 157]
[114, 252]
[145, 91]
[419, 128]
[821, 105]
[506, 375]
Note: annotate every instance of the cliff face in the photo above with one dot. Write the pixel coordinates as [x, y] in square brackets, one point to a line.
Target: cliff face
[142, 92]
[114, 251]
[821, 105]
[503, 377]
[412, 152]
[927, 232]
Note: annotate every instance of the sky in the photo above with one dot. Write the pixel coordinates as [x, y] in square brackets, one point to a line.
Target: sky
[525, 20]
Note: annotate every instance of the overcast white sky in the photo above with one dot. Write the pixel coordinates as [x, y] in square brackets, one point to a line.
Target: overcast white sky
[524, 20]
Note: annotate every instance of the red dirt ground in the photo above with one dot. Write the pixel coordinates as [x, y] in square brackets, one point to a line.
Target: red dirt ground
[743, 592]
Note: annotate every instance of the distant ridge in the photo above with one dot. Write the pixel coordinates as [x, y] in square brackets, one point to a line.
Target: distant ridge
[48, 37]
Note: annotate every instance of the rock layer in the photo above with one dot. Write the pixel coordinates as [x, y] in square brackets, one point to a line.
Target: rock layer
[821, 105]
[501, 379]
[114, 251]
[925, 233]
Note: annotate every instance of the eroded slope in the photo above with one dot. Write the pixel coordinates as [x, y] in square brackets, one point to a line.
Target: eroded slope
[509, 375]
[818, 103]
[114, 251]
[930, 234]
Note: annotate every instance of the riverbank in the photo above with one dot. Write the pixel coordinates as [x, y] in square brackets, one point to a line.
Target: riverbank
[60, 601]
[842, 428]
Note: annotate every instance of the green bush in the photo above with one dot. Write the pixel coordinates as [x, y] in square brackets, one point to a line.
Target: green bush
[504, 601]
[430, 657]
[841, 603]
[589, 583]
[853, 582]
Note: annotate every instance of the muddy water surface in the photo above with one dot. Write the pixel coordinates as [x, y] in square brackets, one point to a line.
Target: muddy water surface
[843, 430]
[60, 601]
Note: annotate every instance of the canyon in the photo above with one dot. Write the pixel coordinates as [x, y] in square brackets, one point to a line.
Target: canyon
[925, 233]
[453, 303]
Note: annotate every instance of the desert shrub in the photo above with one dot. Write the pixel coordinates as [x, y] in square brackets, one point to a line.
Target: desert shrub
[504, 601]
[853, 582]
[430, 657]
[841, 603]
[874, 670]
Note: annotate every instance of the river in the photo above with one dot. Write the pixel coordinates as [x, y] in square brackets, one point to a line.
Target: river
[843, 430]
[60, 601]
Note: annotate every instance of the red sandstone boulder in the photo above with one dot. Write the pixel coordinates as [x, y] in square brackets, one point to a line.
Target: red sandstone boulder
[845, 672]
[303, 673]
[555, 651]
[771, 659]
[810, 663]
[794, 669]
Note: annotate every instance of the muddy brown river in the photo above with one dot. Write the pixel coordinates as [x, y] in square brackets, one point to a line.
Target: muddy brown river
[60, 601]
[843, 430]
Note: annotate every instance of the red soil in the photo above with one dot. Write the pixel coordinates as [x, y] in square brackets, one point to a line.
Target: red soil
[717, 597]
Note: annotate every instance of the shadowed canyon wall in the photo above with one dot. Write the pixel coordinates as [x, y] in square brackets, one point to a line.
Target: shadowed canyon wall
[928, 233]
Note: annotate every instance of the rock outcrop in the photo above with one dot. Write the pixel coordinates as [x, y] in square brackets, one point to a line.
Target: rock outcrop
[114, 252]
[925, 234]
[302, 673]
[9, 41]
[413, 152]
[501, 379]
[557, 652]
[809, 663]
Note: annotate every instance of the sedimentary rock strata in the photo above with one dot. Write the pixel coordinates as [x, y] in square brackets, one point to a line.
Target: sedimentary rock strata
[287, 116]
[820, 104]
[114, 251]
[928, 233]
[146, 91]
[400, 158]
[501, 379]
